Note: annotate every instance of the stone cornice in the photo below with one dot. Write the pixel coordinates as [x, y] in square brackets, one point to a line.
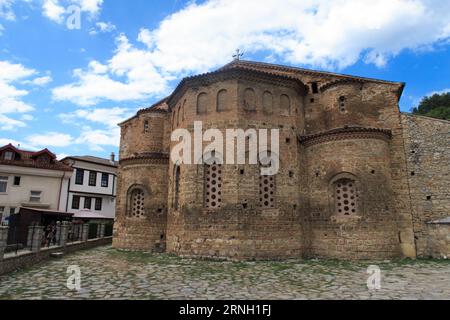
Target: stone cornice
[146, 158]
[345, 134]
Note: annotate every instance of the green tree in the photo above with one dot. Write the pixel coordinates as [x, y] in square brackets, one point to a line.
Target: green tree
[435, 106]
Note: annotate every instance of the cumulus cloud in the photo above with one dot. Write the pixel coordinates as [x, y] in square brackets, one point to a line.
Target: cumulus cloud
[55, 10]
[40, 81]
[315, 33]
[50, 139]
[129, 75]
[8, 124]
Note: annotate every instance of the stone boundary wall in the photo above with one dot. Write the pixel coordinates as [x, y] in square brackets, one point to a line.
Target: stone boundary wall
[28, 258]
[438, 241]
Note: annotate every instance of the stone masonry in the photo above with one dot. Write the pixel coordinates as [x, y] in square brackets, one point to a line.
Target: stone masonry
[344, 189]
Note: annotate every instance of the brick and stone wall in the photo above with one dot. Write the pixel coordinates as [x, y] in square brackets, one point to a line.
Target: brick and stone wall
[427, 149]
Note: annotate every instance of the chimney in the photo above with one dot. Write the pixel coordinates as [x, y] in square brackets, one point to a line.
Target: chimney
[113, 157]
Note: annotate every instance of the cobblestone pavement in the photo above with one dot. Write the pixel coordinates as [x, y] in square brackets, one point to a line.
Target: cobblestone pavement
[109, 274]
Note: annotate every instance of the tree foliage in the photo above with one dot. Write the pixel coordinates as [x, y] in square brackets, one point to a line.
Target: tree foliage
[435, 106]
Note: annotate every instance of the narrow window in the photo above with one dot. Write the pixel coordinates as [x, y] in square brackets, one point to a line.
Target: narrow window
[88, 203]
[92, 178]
[213, 186]
[314, 88]
[222, 101]
[342, 104]
[249, 99]
[346, 197]
[76, 202]
[268, 102]
[176, 198]
[202, 102]
[137, 203]
[146, 126]
[285, 105]
[79, 177]
[98, 204]
[3, 184]
[267, 191]
[17, 181]
[35, 196]
[105, 180]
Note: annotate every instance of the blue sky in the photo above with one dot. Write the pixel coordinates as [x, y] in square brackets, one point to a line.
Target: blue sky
[66, 86]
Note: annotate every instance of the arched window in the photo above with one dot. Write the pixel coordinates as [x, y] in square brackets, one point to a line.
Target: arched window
[213, 185]
[268, 102]
[176, 195]
[202, 103]
[342, 104]
[285, 105]
[137, 203]
[249, 99]
[178, 115]
[346, 197]
[222, 100]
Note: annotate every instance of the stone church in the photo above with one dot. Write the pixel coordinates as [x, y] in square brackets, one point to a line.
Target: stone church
[358, 179]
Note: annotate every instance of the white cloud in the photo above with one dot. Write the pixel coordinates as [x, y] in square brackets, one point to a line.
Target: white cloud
[97, 139]
[8, 124]
[6, 10]
[103, 27]
[109, 117]
[40, 81]
[53, 10]
[129, 75]
[11, 96]
[316, 33]
[50, 139]
[17, 144]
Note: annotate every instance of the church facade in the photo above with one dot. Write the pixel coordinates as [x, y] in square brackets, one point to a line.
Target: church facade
[357, 179]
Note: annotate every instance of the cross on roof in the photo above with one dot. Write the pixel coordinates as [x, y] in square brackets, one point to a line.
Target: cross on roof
[238, 55]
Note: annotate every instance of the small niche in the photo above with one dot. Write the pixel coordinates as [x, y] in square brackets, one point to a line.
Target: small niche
[312, 100]
[413, 173]
[245, 205]
[315, 88]
[372, 172]
[291, 174]
[242, 172]
[161, 237]
[160, 210]
[428, 198]
[288, 140]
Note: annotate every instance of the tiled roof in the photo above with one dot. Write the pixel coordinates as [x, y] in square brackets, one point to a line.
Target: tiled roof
[91, 159]
[30, 159]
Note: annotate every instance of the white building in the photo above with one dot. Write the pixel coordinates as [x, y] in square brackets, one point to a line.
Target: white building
[92, 188]
[31, 179]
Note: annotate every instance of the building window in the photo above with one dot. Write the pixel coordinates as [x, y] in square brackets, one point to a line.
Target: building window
[146, 126]
[3, 184]
[285, 105]
[79, 177]
[222, 101]
[202, 103]
[105, 180]
[92, 178]
[342, 104]
[98, 204]
[9, 155]
[176, 196]
[76, 202]
[315, 88]
[35, 196]
[87, 203]
[249, 99]
[138, 203]
[213, 186]
[267, 191]
[346, 197]
[17, 181]
[2, 210]
[12, 211]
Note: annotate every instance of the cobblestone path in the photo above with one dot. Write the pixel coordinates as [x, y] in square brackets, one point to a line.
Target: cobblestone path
[109, 274]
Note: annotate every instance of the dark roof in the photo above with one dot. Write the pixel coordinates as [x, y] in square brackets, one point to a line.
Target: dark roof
[30, 159]
[95, 160]
[45, 212]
